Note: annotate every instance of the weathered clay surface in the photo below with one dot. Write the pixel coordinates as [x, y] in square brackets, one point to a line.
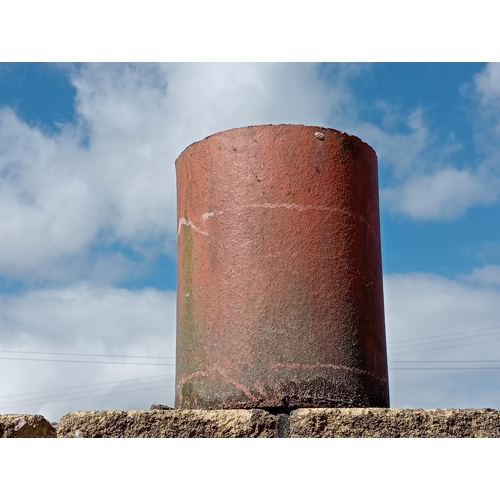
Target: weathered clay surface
[394, 423]
[25, 426]
[168, 423]
[280, 301]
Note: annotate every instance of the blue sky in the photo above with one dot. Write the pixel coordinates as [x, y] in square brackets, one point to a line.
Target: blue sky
[88, 202]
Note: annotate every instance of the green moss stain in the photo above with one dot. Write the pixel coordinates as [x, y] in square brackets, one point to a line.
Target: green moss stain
[191, 356]
[188, 316]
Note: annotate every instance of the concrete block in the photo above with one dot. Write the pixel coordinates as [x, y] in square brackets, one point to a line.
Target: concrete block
[168, 423]
[394, 423]
[25, 426]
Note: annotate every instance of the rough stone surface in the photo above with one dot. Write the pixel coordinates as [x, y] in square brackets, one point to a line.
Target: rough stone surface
[26, 426]
[394, 423]
[168, 423]
[160, 407]
[302, 423]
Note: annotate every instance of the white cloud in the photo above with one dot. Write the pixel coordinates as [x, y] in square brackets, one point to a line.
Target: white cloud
[486, 90]
[427, 185]
[487, 84]
[431, 318]
[403, 152]
[484, 276]
[86, 319]
[207, 98]
[44, 207]
[442, 195]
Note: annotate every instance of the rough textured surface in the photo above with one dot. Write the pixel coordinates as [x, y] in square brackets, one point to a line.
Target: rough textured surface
[168, 423]
[302, 423]
[156, 406]
[280, 301]
[26, 426]
[394, 423]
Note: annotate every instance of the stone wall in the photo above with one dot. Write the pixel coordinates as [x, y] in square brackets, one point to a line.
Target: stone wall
[302, 423]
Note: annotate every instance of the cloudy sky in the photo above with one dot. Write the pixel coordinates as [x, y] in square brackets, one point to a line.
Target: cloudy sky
[88, 210]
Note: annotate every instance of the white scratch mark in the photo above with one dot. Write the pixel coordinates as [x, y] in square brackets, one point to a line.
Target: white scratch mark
[295, 206]
[320, 208]
[207, 215]
[184, 222]
[290, 206]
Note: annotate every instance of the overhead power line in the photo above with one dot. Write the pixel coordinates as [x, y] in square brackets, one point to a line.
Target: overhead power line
[84, 361]
[90, 355]
[442, 335]
[109, 393]
[447, 361]
[448, 368]
[427, 362]
[447, 340]
[443, 347]
[89, 397]
[84, 386]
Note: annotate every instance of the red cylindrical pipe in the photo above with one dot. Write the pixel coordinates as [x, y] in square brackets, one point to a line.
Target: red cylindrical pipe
[279, 301]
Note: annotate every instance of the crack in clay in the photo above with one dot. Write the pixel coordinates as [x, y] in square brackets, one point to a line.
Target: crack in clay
[328, 365]
[184, 222]
[295, 206]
